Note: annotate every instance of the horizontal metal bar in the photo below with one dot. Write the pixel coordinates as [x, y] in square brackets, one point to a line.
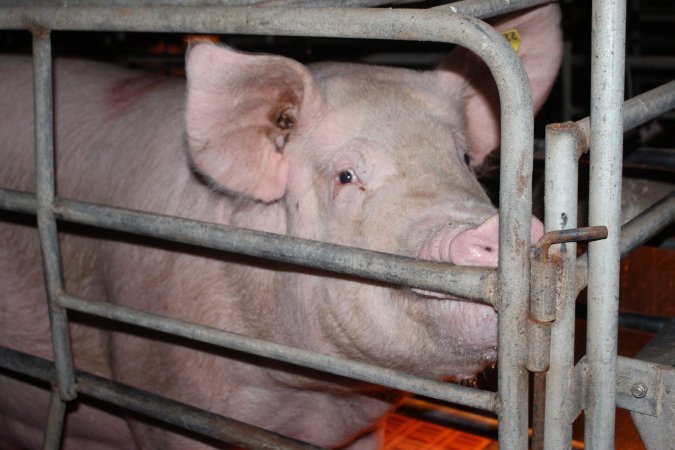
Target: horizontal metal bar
[636, 232]
[636, 111]
[661, 349]
[201, 3]
[466, 282]
[328, 3]
[369, 23]
[647, 377]
[169, 411]
[330, 364]
[641, 386]
[652, 62]
[483, 9]
[17, 201]
[640, 229]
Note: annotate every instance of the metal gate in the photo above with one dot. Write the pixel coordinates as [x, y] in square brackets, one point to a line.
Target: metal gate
[595, 385]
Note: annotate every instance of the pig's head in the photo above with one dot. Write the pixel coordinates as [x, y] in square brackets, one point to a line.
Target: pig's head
[371, 157]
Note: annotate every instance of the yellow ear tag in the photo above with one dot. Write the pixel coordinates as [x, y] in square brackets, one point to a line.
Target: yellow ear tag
[513, 37]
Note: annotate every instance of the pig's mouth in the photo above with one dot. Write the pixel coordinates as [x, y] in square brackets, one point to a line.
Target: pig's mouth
[465, 330]
[437, 295]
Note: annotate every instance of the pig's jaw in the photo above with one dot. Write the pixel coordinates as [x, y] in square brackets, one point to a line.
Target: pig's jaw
[464, 334]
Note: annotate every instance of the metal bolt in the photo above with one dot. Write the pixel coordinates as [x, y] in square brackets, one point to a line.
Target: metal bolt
[638, 390]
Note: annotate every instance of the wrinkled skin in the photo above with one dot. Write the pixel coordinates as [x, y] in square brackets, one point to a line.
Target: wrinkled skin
[369, 157]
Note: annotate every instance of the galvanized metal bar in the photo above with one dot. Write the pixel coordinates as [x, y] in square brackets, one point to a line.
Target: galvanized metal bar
[329, 3]
[640, 229]
[468, 282]
[55, 422]
[635, 232]
[607, 90]
[560, 213]
[397, 24]
[515, 206]
[482, 9]
[169, 411]
[201, 3]
[639, 385]
[637, 110]
[45, 191]
[127, 3]
[338, 366]
[17, 201]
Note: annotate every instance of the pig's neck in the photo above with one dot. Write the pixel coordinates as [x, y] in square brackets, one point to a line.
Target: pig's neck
[322, 409]
[245, 213]
[331, 413]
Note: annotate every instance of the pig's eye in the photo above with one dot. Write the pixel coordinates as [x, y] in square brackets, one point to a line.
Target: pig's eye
[346, 177]
[467, 160]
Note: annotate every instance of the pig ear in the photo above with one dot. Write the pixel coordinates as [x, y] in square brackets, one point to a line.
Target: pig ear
[540, 49]
[241, 111]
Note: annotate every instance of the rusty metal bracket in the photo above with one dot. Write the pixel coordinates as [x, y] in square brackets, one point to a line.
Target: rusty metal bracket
[545, 291]
[641, 386]
[585, 234]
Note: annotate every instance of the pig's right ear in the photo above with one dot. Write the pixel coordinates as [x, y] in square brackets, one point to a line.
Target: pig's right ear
[539, 48]
[241, 111]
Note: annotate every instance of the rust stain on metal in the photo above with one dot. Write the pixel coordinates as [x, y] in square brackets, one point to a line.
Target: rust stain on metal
[572, 235]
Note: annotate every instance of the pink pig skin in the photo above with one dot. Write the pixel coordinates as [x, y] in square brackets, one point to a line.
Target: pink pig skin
[358, 155]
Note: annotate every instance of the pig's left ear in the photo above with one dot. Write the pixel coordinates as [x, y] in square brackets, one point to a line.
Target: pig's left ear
[539, 45]
[241, 111]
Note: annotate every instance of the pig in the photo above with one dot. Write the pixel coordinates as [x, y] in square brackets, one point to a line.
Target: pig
[380, 158]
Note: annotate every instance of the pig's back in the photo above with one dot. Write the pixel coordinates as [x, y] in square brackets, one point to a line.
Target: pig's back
[119, 141]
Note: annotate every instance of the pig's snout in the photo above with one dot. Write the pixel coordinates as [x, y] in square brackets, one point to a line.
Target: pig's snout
[479, 246]
[474, 246]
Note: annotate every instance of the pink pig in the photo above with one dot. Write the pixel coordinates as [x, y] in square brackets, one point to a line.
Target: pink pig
[372, 157]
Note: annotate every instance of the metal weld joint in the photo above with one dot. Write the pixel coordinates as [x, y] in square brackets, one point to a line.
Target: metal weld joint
[546, 288]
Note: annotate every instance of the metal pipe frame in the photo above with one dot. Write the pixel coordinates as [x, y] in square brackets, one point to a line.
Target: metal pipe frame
[608, 36]
[516, 117]
[330, 364]
[564, 143]
[636, 111]
[55, 421]
[166, 410]
[473, 283]
[482, 9]
[561, 190]
[46, 222]
[635, 232]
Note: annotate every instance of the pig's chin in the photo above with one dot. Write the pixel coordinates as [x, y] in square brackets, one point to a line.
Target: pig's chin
[465, 332]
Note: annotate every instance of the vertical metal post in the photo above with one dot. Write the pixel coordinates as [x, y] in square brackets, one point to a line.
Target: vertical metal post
[515, 206]
[54, 430]
[45, 191]
[560, 212]
[607, 91]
